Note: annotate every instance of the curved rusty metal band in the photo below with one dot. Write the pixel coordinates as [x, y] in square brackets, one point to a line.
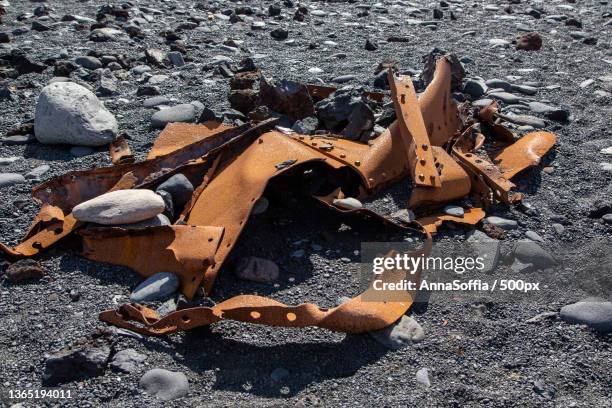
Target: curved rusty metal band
[356, 315]
[439, 111]
[524, 153]
[412, 129]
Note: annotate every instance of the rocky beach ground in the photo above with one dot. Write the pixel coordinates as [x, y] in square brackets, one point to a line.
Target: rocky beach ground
[144, 63]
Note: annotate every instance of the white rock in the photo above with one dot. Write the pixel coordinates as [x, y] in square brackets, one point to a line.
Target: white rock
[348, 203]
[120, 207]
[68, 113]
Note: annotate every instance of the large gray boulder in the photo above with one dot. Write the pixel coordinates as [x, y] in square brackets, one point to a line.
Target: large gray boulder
[120, 207]
[68, 113]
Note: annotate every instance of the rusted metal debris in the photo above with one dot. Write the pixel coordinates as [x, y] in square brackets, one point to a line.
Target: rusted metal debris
[435, 143]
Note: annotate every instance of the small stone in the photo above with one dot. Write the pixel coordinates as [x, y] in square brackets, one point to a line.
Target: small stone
[10, 179]
[529, 42]
[156, 101]
[299, 253]
[594, 313]
[67, 113]
[526, 120]
[5, 161]
[306, 126]
[75, 364]
[348, 203]
[38, 26]
[279, 34]
[164, 384]
[141, 69]
[423, 377]
[127, 361]
[176, 58]
[498, 42]
[400, 334]
[260, 206]
[179, 187]
[499, 83]
[148, 90]
[120, 207]
[534, 236]
[279, 374]
[525, 89]
[551, 112]
[501, 222]
[559, 229]
[38, 172]
[541, 389]
[454, 210]
[404, 215]
[159, 286]
[315, 70]
[343, 79]
[475, 88]
[506, 97]
[23, 270]
[607, 218]
[180, 113]
[258, 25]
[530, 253]
[371, 45]
[91, 63]
[607, 151]
[256, 269]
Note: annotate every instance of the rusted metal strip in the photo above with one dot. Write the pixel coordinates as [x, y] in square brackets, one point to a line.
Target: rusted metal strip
[414, 135]
[176, 136]
[358, 315]
[472, 216]
[464, 151]
[440, 113]
[72, 188]
[526, 152]
[120, 152]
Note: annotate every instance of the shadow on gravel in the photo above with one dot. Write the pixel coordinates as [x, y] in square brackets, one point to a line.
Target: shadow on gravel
[52, 152]
[244, 367]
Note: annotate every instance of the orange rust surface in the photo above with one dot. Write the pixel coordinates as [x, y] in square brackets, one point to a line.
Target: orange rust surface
[472, 216]
[178, 135]
[526, 152]
[455, 183]
[438, 108]
[246, 177]
[357, 315]
[418, 149]
[186, 251]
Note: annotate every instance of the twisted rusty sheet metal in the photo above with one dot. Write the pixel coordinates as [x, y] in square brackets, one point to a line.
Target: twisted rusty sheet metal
[223, 160]
[440, 112]
[357, 315]
[179, 135]
[185, 250]
[414, 135]
[524, 153]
